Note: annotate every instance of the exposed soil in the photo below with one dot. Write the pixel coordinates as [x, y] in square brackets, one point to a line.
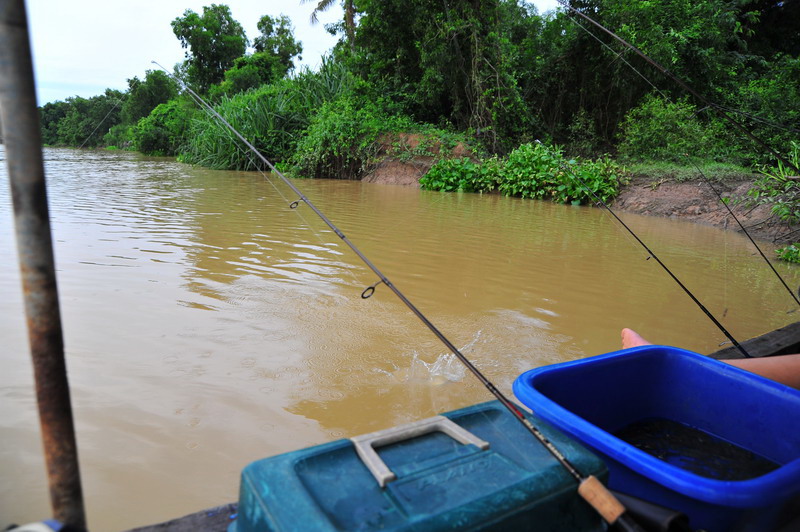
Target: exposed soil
[689, 200]
[393, 170]
[696, 201]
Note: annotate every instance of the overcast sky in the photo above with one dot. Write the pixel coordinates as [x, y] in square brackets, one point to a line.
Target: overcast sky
[82, 47]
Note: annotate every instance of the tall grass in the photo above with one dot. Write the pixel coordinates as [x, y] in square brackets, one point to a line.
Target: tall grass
[265, 117]
[272, 117]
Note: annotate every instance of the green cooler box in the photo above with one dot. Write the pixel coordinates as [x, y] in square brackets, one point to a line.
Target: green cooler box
[476, 468]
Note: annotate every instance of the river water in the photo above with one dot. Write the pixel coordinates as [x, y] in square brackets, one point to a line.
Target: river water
[208, 325]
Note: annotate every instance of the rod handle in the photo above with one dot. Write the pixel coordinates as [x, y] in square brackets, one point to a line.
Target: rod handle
[604, 502]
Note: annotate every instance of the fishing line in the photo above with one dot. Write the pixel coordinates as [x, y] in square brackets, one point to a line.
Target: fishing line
[292, 204]
[686, 156]
[653, 255]
[730, 211]
[589, 487]
[756, 118]
[100, 124]
[681, 83]
[618, 55]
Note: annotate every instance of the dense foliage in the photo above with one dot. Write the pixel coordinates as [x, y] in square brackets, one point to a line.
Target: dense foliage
[780, 187]
[165, 130]
[494, 73]
[275, 51]
[213, 41]
[81, 121]
[531, 171]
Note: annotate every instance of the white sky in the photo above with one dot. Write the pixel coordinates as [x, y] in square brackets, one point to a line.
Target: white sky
[82, 47]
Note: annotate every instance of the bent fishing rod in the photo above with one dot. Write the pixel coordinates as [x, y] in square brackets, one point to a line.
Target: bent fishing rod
[589, 487]
[702, 174]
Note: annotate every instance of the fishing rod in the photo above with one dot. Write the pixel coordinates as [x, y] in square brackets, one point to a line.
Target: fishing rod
[589, 487]
[702, 174]
[654, 256]
[681, 84]
[746, 232]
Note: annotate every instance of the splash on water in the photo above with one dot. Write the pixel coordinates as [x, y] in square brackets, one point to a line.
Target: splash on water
[446, 368]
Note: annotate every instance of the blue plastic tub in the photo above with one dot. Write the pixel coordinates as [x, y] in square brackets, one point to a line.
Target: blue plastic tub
[429, 482]
[595, 398]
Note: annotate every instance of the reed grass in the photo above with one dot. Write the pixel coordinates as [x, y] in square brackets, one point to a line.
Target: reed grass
[273, 118]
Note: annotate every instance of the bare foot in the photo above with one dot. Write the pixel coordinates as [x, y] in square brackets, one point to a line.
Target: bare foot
[631, 338]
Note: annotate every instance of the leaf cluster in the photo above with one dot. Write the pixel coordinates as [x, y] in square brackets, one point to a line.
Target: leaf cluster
[790, 253]
[164, 130]
[531, 171]
[779, 187]
[342, 139]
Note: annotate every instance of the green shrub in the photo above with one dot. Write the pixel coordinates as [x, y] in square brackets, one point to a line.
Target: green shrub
[538, 171]
[163, 131]
[659, 130]
[272, 117]
[772, 98]
[602, 177]
[531, 171]
[778, 187]
[119, 135]
[790, 253]
[342, 139]
[267, 117]
[462, 174]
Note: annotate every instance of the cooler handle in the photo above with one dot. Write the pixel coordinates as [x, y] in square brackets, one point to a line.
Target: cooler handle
[366, 443]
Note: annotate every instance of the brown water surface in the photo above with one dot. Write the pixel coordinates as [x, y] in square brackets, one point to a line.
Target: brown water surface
[208, 325]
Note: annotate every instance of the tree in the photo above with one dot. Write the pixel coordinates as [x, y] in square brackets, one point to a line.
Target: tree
[249, 72]
[50, 115]
[213, 41]
[277, 38]
[448, 61]
[86, 121]
[273, 59]
[349, 17]
[144, 96]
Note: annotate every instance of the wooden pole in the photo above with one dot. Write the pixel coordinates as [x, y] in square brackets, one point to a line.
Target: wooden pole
[22, 138]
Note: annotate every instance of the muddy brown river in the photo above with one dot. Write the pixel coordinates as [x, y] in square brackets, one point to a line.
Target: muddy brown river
[208, 325]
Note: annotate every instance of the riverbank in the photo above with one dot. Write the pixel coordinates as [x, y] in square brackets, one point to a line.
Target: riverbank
[695, 201]
[691, 200]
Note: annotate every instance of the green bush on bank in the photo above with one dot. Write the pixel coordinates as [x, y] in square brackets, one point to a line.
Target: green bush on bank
[273, 117]
[779, 187]
[790, 253]
[660, 130]
[164, 130]
[342, 139]
[531, 171]
[462, 175]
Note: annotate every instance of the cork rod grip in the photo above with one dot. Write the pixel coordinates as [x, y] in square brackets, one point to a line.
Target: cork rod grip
[593, 492]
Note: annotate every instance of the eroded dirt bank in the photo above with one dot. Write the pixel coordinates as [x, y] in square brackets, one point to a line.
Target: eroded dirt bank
[696, 201]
